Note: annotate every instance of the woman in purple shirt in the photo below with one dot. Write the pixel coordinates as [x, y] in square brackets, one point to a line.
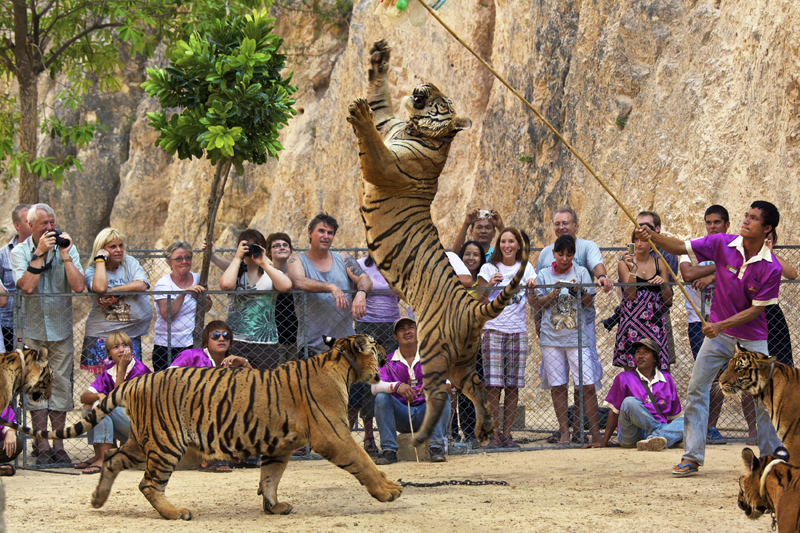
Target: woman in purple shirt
[116, 425]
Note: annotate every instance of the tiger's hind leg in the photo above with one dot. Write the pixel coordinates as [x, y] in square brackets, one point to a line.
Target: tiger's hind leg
[272, 468]
[436, 398]
[160, 467]
[348, 455]
[114, 462]
[474, 389]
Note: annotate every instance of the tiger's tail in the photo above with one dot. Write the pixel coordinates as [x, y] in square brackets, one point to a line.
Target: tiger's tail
[101, 410]
[492, 309]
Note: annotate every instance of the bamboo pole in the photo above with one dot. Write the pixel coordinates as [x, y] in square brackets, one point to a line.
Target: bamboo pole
[567, 144]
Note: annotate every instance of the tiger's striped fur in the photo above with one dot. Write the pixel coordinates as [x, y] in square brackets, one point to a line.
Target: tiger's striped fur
[773, 383]
[235, 413]
[400, 163]
[764, 488]
[25, 371]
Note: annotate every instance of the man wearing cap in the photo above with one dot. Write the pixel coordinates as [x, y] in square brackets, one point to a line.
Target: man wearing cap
[401, 386]
[645, 403]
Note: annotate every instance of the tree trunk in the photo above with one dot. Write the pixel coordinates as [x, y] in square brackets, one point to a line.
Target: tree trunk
[24, 58]
[217, 190]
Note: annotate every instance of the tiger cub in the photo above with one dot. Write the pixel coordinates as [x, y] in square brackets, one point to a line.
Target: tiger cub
[770, 485]
[236, 413]
[773, 383]
[400, 165]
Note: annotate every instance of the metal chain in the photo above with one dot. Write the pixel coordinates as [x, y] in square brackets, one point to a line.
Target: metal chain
[451, 482]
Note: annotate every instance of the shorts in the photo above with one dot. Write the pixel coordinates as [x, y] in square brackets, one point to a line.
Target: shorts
[504, 357]
[557, 360]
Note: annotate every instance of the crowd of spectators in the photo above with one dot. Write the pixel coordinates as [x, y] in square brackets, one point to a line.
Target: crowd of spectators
[557, 293]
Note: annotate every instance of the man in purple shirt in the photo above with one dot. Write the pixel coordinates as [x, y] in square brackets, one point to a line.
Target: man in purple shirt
[645, 403]
[401, 386]
[747, 280]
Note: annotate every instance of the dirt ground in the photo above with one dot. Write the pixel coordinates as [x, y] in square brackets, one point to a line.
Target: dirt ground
[609, 489]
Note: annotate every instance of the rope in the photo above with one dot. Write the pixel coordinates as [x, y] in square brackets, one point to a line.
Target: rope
[568, 145]
[452, 482]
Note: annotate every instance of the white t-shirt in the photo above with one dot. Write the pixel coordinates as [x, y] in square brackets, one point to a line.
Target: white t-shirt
[182, 321]
[458, 265]
[694, 295]
[512, 319]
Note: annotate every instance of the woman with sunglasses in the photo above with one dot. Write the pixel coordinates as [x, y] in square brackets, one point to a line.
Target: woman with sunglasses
[216, 340]
[173, 337]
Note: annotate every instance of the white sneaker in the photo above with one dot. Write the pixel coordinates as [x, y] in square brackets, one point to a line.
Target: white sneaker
[654, 444]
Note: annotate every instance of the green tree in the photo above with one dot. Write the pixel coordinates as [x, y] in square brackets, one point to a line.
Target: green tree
[80, 39]
[233, 102]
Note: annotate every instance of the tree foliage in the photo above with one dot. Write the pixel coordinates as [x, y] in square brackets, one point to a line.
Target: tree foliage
[227, 82]
[84, 41]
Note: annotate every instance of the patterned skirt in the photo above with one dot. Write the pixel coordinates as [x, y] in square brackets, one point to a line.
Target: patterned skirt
[640, 318]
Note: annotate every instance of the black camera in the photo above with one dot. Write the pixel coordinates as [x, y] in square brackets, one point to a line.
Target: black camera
[254, 251]
[61, 242]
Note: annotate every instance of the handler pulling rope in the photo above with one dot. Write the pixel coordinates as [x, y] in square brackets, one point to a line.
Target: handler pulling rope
[569, 147]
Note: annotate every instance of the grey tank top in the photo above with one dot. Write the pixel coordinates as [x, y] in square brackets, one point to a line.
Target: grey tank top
[316, 311]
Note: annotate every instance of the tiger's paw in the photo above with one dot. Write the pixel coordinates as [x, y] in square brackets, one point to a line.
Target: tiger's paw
[387, 490]
[360, 115]
[278, 508]
[379, 59]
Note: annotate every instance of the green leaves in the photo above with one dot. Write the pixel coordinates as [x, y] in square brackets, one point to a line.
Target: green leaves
[227, 81]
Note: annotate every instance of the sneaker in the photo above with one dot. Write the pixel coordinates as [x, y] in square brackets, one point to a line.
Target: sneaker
[386, 457]
[437, 454]
[653, 444]
[473, 443]
[715, 437]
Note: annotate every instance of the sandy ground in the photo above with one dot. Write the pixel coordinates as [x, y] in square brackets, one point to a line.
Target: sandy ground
[569, 490]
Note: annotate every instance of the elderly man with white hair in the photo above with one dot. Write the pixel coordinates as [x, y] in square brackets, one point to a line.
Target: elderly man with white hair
[48, 263]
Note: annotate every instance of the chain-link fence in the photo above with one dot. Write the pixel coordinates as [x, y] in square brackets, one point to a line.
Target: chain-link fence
[270, 328]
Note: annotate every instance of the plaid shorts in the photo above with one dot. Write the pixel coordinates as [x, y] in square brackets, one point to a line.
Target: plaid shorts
[504, 356]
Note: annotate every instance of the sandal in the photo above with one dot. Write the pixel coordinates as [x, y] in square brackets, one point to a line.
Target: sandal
[221, 467]
[83, 465]
[370, 447]
[494, 442]
[508, 442]
[751, 442]
[684, 469]
[7, 470]
[554, 438]
[92, 469]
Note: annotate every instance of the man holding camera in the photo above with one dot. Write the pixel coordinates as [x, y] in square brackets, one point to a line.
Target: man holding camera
[48, 263]
[484, 223]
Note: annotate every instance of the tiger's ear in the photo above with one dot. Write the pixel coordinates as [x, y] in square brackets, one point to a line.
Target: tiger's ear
[329, 341]
[750, 460]
[41, 355]
[781, 453]
[460, 124]
[763, 363]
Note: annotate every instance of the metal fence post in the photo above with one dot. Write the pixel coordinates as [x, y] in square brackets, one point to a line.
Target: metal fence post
[579, 412]
[169, 327]
[21, 411]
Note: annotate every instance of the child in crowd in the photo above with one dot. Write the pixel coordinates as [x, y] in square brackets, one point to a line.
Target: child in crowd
[117, 425]
[645, 403]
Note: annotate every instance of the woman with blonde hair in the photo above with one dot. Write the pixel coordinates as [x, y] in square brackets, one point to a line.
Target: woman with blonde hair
[111, 271]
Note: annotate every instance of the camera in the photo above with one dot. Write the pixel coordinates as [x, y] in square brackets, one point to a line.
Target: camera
[631, 248]
[61, 242]
[484, 213]
[254, 250]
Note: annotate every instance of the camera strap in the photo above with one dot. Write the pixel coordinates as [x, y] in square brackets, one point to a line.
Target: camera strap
[650, 395]
[47, 266]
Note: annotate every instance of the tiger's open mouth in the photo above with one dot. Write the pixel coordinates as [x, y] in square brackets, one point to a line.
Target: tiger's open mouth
[420, 96]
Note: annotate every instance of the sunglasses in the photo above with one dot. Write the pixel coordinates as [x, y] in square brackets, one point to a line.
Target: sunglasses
[280, 245]
[217, 334]
[183, 259]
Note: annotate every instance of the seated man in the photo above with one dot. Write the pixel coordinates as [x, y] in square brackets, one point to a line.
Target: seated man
[401, 386]
[645, 403]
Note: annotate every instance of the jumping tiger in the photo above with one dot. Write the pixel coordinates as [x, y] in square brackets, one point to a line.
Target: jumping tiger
[235, 413]
[400, 164]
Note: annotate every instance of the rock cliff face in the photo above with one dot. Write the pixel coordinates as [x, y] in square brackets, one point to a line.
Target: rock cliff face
[676, 104]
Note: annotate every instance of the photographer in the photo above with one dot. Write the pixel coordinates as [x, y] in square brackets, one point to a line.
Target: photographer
[482, 225]
[47, 262]
[252, 318]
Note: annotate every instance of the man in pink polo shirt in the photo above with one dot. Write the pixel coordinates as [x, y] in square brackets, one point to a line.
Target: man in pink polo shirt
[747, 279]
[401, 387]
